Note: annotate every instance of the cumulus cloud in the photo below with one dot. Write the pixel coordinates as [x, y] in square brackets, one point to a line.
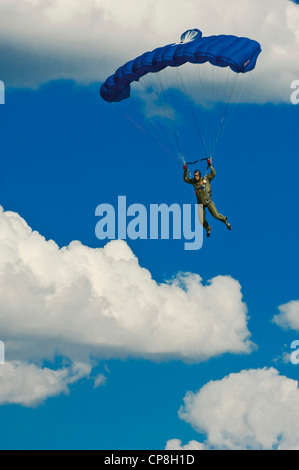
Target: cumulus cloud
[176, 444]
[29, 385]
[86, 41]
[252, 409]
[80, 302]
[288, 317]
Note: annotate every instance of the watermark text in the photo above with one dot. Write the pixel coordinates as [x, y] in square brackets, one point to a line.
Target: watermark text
[295, 354]
[2, 353]
[2, 93]
[295, 93]
[158, 222]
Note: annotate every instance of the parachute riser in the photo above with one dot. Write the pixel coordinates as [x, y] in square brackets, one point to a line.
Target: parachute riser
[200, 160]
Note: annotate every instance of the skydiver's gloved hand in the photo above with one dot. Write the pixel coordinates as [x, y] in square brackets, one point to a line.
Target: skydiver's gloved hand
[209, 162]
[185, 167]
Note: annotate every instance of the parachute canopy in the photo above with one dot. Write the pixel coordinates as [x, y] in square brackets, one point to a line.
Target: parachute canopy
[238, 53]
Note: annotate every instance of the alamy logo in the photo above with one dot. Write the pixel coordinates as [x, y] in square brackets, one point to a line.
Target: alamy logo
[2, 353]
[137, 222]
[2, 93]
[295, 94]
[295, 354]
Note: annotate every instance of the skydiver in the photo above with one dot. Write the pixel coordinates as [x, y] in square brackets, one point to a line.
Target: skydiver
[203, 193]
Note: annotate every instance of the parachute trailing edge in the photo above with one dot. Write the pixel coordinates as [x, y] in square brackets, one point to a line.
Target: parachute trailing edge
[238, 53]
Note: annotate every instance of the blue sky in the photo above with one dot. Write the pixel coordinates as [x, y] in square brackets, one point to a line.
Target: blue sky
[64, 152]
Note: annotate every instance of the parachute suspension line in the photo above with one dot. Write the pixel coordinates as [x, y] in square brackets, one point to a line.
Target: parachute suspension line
[192, 110]
[216, 93]
[225, 112]
[237, 98]
[220, 84]
[173, 132]
[209, 79]
[143, 130]
[147, 87]
[171, 118]
[203, 95]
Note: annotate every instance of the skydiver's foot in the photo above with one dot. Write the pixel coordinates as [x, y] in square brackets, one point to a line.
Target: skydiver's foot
[228, 226]
[209, 231]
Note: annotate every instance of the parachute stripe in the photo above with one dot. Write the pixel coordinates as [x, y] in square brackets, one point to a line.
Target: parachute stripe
[240, 54]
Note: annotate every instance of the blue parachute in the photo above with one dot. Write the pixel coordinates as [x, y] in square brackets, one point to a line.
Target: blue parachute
[238, 53]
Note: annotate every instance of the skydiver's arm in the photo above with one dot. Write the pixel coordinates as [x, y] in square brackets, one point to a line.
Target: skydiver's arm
[186, 178]
[212, 174]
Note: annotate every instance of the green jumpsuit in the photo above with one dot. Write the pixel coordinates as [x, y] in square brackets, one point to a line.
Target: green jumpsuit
[203, 193]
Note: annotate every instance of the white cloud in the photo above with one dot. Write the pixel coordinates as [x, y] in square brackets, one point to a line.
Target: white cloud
[99, 380]
[29, 385]
[252, 409]
[87, 41]
[176, 444]
[81, 302]
[288, 317]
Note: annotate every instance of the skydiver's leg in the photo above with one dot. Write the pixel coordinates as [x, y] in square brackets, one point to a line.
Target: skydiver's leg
[202, 217]
[214, 212]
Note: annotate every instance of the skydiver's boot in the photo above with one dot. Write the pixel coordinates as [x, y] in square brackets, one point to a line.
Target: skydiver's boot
[228, 225]
[209, 231]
